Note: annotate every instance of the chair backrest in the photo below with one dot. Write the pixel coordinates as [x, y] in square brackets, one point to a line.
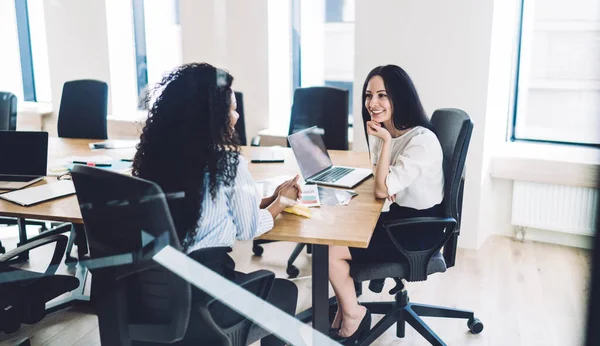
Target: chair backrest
[83, 110]
[137, 300]
[325, 107]
[8, 111]
[240, 126]
[453, 128]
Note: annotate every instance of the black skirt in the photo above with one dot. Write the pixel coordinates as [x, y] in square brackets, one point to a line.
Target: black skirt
[381, 248]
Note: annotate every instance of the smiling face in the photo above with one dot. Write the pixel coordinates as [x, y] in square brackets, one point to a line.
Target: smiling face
[377, 102]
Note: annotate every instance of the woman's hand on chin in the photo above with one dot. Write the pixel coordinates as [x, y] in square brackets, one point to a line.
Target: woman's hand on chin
[375, 129]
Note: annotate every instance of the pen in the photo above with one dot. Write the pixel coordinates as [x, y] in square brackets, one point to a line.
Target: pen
[93, 164]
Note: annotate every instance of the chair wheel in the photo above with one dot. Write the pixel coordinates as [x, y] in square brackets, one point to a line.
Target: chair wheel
[2, 249]
[475, 325]
[292, 272]
[258, 250]
[69, 260]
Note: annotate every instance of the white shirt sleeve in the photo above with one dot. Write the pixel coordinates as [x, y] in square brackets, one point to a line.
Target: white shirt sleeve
[418, 155]
[250, 220]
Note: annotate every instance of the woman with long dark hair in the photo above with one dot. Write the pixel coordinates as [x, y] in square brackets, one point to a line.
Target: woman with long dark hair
[189, 148]
[407, 159]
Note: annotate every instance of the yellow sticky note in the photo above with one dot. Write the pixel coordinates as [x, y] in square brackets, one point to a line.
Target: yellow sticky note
[300, 210]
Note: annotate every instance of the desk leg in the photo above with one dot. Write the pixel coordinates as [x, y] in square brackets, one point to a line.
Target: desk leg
[22, 239]
[320, 288]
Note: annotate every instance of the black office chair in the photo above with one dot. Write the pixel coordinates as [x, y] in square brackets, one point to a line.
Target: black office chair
[454, 128]
[83, 110]
[8, 111]
[327, 108]
[24, 293]
[139, 302]
[240, 126]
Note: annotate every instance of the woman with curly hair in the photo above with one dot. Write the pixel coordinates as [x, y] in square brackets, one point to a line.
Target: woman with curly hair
[190, 149]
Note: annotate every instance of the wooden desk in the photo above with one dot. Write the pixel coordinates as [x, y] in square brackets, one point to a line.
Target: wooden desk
[350, 225]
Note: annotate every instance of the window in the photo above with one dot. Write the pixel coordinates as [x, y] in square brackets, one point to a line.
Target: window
[24, 61]
[327, 45]
[280, 36]
[157, 33]
[311, 43]
[558, 75]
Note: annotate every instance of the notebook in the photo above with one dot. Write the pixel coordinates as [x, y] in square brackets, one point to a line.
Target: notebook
[34, 195]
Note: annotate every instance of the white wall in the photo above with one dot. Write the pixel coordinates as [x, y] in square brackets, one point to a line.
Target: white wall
[232, 34]
[496, 201]
[445, 47]
[76, 33]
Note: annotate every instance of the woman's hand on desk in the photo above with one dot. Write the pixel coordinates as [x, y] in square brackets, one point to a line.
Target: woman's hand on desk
[295, 184]
[288, 194]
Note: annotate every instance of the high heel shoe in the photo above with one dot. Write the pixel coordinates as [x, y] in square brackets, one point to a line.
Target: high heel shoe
[363, 328]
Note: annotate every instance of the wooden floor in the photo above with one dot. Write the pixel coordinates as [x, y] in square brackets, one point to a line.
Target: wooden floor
[524, 293]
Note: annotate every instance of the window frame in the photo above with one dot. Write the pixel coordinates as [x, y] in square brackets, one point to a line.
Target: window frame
[512, 124]
[25, 51]
[141, 59]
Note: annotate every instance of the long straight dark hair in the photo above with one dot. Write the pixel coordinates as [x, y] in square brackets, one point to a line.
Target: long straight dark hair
[406, 104]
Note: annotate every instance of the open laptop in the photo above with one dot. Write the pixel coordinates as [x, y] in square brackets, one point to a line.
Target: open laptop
[23, 158]
[315, 163]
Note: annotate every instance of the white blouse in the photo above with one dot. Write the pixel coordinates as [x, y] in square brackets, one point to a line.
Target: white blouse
[416, 174]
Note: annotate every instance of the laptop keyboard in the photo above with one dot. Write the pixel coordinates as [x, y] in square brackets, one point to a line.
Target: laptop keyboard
[333, 175]
[16, 178]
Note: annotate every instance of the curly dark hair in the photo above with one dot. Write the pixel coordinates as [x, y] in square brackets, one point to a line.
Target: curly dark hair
[188, 138]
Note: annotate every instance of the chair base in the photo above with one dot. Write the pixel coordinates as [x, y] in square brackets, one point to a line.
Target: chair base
[291, 270]
[24, 342]
[402, 311]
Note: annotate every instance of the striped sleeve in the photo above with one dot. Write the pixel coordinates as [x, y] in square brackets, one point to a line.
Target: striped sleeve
[250, 220]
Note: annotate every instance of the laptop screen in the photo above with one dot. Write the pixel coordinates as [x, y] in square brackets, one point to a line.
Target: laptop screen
[310, 152]
[23, 153]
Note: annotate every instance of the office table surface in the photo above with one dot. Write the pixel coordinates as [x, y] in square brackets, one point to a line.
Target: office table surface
[350, 225]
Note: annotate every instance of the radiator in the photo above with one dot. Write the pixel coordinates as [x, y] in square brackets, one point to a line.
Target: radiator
[559, 208]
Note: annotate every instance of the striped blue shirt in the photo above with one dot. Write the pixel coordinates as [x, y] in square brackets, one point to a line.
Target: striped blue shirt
[234, 214]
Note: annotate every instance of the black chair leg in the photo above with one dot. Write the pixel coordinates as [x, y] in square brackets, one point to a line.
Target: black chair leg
[24, 342]
[309, 248]
[401, 324]
[358, 288]
[439, 311]
[422, 328]
[2, 248]
[80, 240]
[69, 260]
[379, 308]
[384, 324]
[291, 270]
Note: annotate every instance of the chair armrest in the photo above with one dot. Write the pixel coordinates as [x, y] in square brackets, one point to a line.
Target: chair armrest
[255, 142]
[59, 251]
[60, 229]
[401, 223]
[419, 260]
[267, 278]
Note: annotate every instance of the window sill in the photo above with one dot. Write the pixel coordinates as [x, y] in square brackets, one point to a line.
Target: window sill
[283, 134]
[42, 109]
[136, 117]
[547, 163]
